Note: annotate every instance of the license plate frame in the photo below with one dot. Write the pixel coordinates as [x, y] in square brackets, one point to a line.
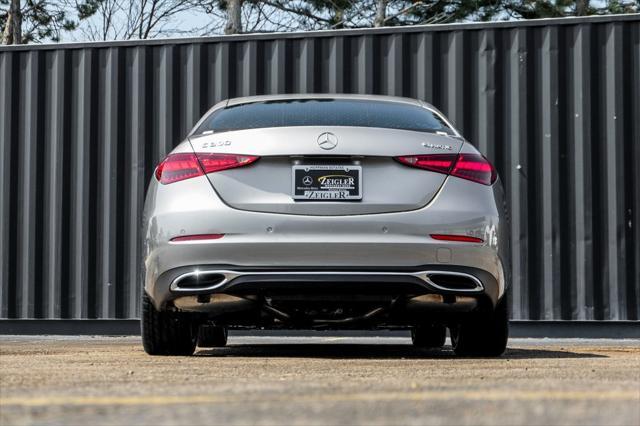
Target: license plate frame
[307, 185]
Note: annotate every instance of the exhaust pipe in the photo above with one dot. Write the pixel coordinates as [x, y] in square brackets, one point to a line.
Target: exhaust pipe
[214, 304]
[434, 303]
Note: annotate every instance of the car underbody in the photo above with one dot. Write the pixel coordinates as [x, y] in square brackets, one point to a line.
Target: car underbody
[326, 299]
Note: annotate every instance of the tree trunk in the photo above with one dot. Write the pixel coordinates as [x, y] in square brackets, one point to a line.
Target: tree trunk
[12, 33]
[339, 18]
[7, 32]
[16, 16]
[234, 17]
[381, 13]
[582, 7]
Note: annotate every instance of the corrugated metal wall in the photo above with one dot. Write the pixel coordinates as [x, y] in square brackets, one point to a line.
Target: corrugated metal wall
[554, 104]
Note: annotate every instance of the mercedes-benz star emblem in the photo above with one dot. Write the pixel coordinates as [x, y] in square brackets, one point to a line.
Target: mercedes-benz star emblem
[327, 140]
[307, 180]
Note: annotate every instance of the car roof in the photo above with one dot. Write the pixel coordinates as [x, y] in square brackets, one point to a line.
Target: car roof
[294, 96]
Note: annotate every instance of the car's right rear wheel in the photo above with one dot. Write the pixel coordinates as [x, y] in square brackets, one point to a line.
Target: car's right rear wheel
[429, 336]
[166, 333]
[484, 334]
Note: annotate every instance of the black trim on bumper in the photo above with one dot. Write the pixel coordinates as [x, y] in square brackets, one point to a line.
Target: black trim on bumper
[306, 282]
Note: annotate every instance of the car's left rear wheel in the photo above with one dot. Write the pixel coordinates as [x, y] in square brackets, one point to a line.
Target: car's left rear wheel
[166, 333]
[212, 336]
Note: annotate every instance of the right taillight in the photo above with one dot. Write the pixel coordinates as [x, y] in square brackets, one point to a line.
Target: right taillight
[473, 167]
[440, 163]
[181, 166]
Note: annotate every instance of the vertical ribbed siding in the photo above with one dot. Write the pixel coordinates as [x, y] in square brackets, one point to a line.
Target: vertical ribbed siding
[632, 153]
[134, 177]
[82, 142]
[579, 157]
[53, 175]
[515, 78]
[6, 133]
[555, 106]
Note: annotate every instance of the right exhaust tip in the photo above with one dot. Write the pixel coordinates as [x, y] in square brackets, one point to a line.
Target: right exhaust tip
[454, 281]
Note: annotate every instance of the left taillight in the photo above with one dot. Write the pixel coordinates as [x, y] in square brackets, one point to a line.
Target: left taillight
[181, 166]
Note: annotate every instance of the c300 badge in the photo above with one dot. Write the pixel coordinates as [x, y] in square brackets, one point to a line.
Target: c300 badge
[213, 144]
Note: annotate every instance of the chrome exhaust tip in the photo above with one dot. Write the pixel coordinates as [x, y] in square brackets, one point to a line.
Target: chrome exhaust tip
[201, 281]
[453, 281]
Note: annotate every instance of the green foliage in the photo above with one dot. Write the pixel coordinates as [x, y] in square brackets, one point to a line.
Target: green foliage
[88, 8]
[438, 11]
[535, 9]
[48, 19]
[620, 6]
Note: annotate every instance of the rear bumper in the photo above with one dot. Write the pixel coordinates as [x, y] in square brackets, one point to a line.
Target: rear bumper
[268, 242]
[406, 283]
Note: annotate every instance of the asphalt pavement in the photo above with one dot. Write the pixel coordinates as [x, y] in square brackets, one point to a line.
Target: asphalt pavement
[317, 380]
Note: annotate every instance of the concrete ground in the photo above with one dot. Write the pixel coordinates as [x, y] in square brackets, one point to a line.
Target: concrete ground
[317, 380]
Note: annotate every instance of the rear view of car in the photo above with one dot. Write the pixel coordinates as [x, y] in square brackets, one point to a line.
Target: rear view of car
[325, 212]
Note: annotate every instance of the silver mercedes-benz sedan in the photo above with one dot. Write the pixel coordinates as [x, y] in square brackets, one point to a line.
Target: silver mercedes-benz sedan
[325, 212]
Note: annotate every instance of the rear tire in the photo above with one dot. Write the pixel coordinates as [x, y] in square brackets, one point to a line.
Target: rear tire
[212, 336]
[483, 335]
[429, 336]
[166, 333]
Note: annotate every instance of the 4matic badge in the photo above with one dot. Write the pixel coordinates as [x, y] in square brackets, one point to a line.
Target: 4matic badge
[437, 146]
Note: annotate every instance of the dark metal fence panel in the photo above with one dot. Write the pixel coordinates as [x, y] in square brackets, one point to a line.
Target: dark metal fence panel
[554, 104]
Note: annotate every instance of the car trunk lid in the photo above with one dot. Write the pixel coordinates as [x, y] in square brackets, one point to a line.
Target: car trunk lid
[366, 154]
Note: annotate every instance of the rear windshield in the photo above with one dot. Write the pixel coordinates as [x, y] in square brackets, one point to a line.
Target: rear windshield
[324, 112]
